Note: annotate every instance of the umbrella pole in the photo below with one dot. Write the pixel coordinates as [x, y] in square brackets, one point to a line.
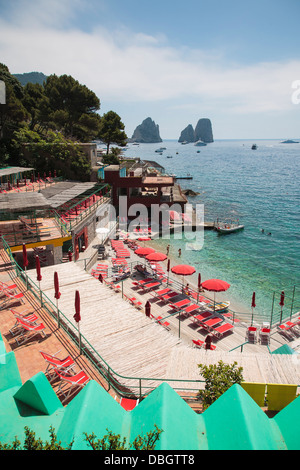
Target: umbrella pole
[58, 319]
[252, 317]
[79, 336]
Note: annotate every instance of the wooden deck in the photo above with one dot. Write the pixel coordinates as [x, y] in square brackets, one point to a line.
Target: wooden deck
[136, 346]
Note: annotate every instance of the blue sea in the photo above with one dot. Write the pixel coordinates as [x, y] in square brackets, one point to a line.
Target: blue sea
[259, 187]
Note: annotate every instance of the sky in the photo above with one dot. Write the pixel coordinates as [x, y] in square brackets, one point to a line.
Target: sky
[236, 62]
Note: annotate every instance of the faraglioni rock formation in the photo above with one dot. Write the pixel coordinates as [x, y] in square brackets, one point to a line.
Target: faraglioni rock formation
[203, 131]
[146, 133]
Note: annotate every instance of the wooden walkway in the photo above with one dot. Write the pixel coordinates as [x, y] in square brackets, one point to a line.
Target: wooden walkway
[136, 346]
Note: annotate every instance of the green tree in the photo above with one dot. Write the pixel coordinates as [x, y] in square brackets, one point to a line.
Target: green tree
[112, 130]
[218, 378]
[32, 99]
[70, 108]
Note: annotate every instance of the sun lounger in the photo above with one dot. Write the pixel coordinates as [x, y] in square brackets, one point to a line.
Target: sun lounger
[76, 381]
[179, 305]
[143, 281]
[189, 309]
[30, 318]
[150, 285]
[29, 331]
[11, 297]
[211, 322]
[159, 320]
[134, 301]
[161, 292]
[221, 330]
[165, 298]
[289, 325]
[128, 403]
[53, 362]
[9, 287]
[264, 334]
[201, 317]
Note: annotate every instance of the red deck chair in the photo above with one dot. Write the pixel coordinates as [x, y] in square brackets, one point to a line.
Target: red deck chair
[54, 362]
[76, 381]
[129, 403]
[29, 331]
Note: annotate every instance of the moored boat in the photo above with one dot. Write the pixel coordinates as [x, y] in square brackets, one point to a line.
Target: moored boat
[229, 228]
[218, 307]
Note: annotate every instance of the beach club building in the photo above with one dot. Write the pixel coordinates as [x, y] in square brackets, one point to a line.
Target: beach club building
[143, 186]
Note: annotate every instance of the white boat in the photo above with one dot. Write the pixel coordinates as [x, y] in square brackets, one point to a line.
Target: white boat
[229, 228]
[199, 143]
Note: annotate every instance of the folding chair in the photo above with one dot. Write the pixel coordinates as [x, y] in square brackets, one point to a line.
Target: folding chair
[128, 403]
[29, 330]
[11, 297]
[53, 362]
[76, 381]
[29, 318]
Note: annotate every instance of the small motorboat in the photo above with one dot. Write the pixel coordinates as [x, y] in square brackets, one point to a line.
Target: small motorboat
[218, 306]
[229, 228]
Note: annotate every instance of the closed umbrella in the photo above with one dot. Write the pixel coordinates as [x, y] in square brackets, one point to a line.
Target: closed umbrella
[253, 305]
[199, 286]
[57, 294]
[281, 303]
[77, 316]
[147, 308]
[25, 258]
[38, 270]
[215, 285]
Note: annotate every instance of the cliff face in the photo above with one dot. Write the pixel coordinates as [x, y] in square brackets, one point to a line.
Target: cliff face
[187, 135]
[147, 132]
[203, 131]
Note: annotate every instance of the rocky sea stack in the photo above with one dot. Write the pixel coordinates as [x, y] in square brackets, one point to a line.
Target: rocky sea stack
[146, 133]
[203, 131]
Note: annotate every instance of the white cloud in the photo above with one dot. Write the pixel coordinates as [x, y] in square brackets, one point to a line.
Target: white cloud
[121, 66]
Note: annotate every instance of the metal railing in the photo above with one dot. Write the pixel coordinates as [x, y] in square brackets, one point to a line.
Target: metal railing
[138, 386]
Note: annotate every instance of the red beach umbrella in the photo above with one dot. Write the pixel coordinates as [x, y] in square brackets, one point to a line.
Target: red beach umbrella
[25, 259]
[143, 251]
[38, 269]
[215, 285]
[183, 270]
[156, 256]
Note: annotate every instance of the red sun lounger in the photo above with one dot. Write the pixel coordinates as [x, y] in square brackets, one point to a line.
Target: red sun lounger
[128, 403]
[221, 330]
[211, 322]
[190, 309]
[169, 296]
[151, 285]
[181, 304]
[76, 381]
[53, 362]
[29, 331]
[201, 317]
[161, 292]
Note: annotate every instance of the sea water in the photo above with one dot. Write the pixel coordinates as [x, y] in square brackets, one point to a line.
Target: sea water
[260, 188]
